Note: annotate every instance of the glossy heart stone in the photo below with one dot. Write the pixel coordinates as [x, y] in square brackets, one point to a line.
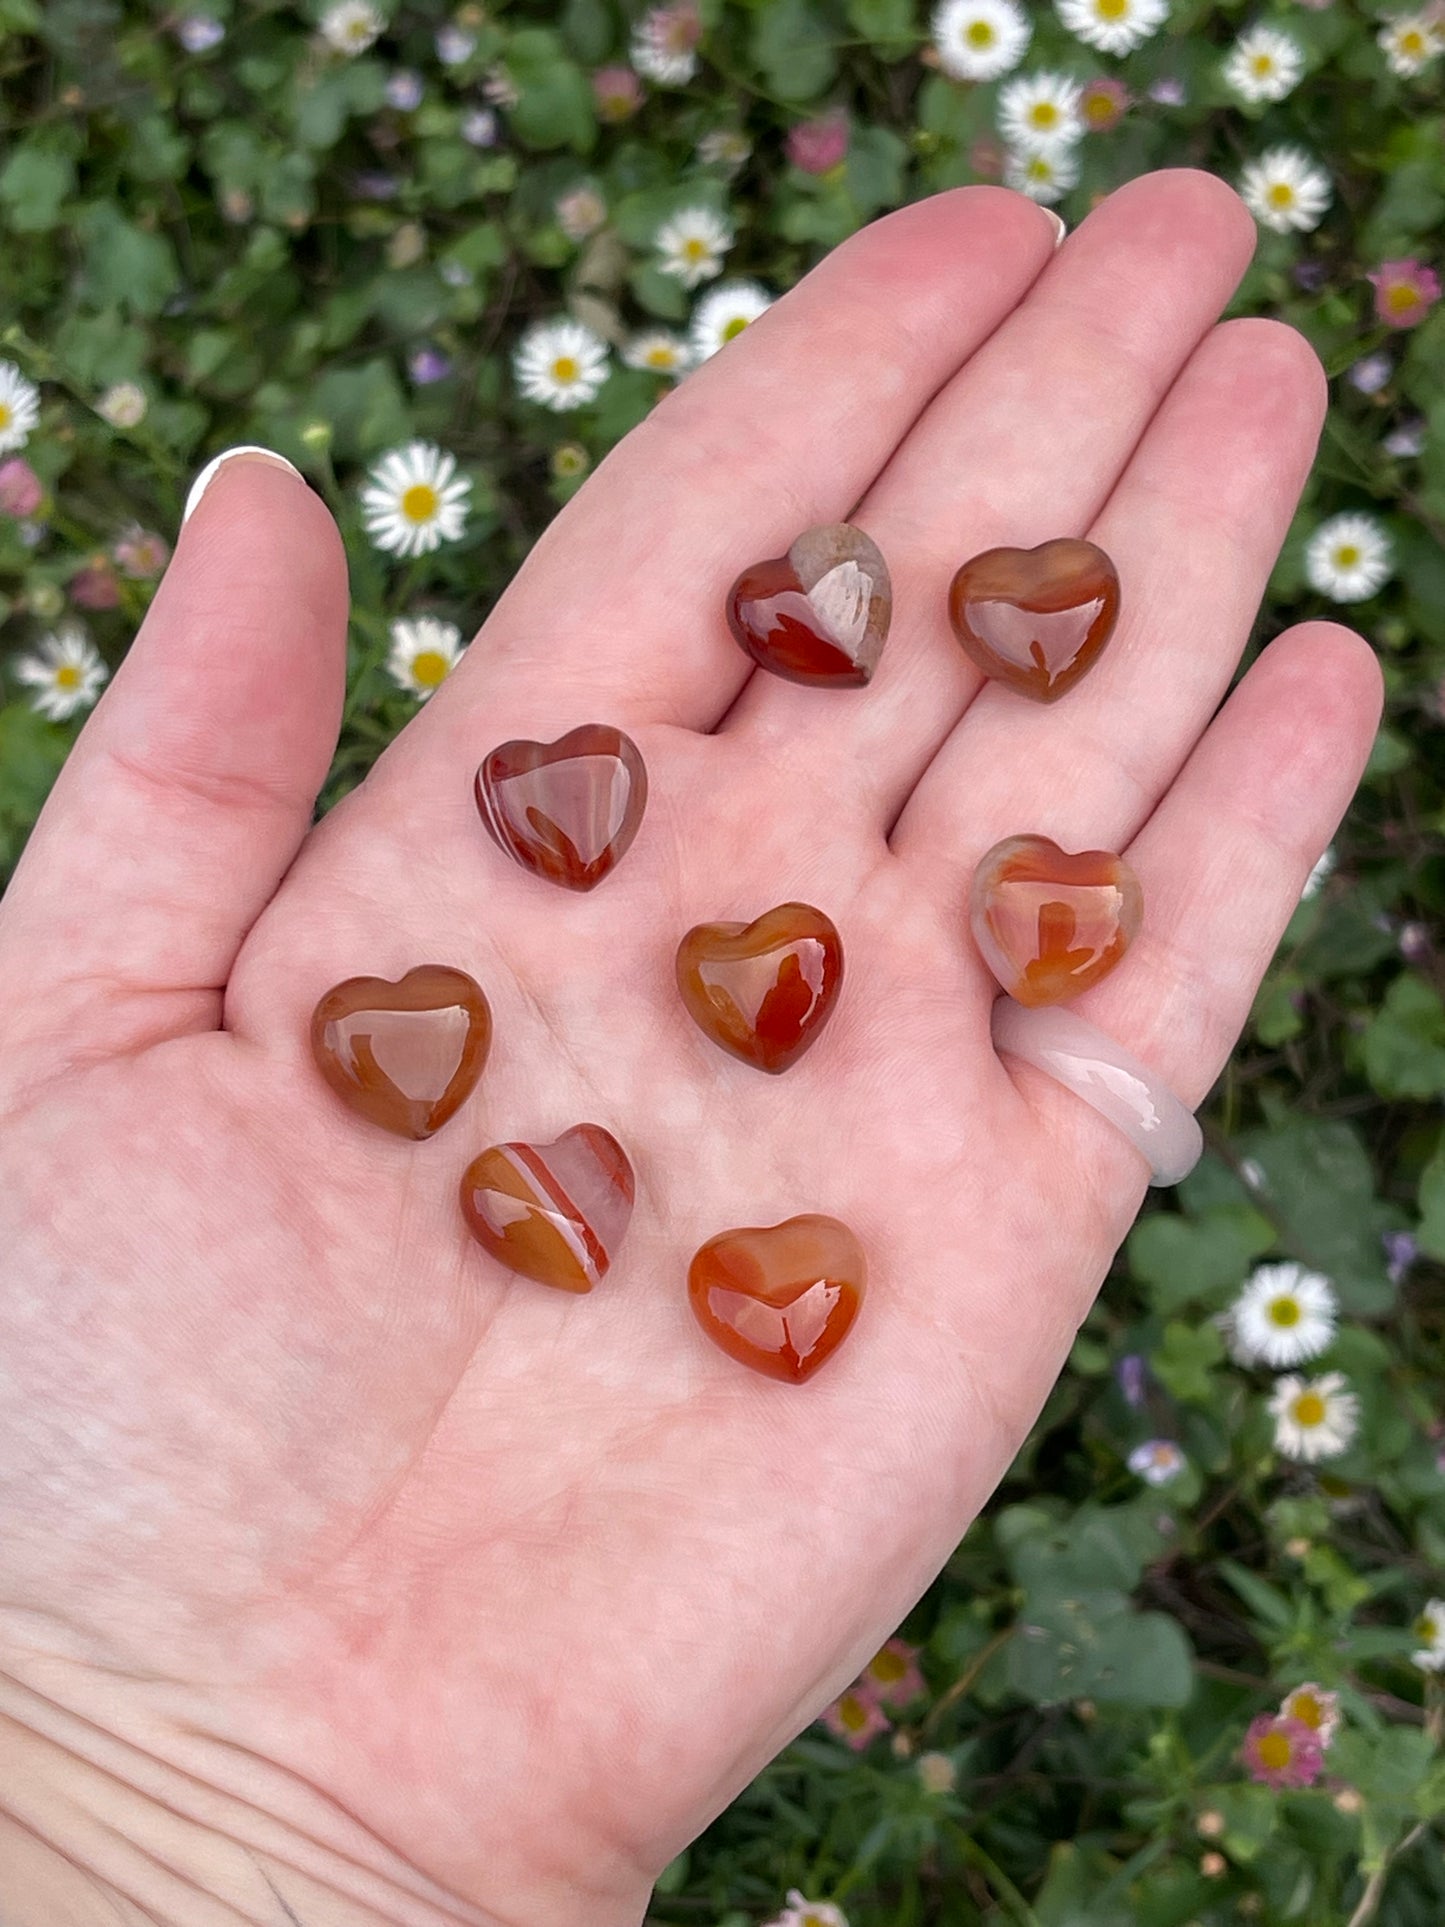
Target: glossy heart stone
[568, 810]
[780, 1298]
[818, 614]
[405, 1055]
[763, 990]
[1036, 619]
[554, 1212]
[1050, 924]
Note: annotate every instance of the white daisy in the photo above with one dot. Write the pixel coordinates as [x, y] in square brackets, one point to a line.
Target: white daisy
[692, 245]
[1319, 1710]
[580, 212]
[560, 364]
[659, 351]
[1285, 189]
[1409, 44]
[19, 407]
[1113, 26]
[726, 147]
[424, 652]
[664, 44]
[1044, 177]
[723, 314]
[1038, 113]
[801, 1912]
[351, 26]
[65, 672]
[1264, 64]
[1430, 1631]
[1314, 1418]
[123, 404]
[1157, 1461]
[1348, 558]
[1318, 876]
[414, 500]
[1283, 1316]
[980, 39]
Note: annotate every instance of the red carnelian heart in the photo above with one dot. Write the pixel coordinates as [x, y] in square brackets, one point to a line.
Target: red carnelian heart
[1036, 619]
[763, 990]
[568, 810]
[407, 1055]
[554, 1212]
[1050, 924]
[780, 1298]
[818, 614]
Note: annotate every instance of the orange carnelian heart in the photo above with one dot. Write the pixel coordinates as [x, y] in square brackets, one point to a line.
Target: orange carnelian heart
[780, 1298]
[1036, 619]
[568, 810]
[1050, 924]
[555, 1212]
[405, 1055]
[762, 990]
[818, 614]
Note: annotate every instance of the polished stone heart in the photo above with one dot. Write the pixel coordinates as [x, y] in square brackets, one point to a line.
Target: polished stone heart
[405, 1055]
[780, 1298]
[763, 990]
[1036, 619]
[554, 1212]
[1050, 924]
[568, 810]
[818, 614]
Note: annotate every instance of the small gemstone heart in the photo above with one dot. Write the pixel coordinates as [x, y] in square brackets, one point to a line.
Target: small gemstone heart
[406, 1055]
[554, 1212]
[1049, 924]
[780, 1298]
[1036, 619]
[763, 990]
[568, 810]
[818, 614]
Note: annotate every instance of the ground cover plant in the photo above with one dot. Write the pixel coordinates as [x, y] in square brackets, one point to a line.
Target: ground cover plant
[1190, 1667]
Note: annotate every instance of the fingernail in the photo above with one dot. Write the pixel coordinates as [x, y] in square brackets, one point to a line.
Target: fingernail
[247, 452]
[1058, 221]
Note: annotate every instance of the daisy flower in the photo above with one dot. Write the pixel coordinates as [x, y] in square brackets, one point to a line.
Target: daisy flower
[1264, 64]
[414, 500]
[424, 652]
[1283, 1316]
[580, 213]
[19, 407]
[1408, 44]
[1113, 26]
[21, 489]
[1430, 1631]
[664, 44]
[725, 147]
[1405, 292]
[560, 364]
[1370, 373]
[141, 554]
[1282, 1753]
[123, 404]
[351, 26]
[808, 1913]
[723, 314]
[1348, 558]
[198, 32]
[659, 351]
[1313, 1707]
[479, 127]
[1038, 113]
[1044, 177]
[616, 93]
[1103, 104]
[404, 90]
[1157, 1461]
[892, 1677]
[65, 672]
[454, 44]
[937, 1773]
[1285, 189]
[980, 39]
[855, 1717]
[1314, 1418]
[692, 244]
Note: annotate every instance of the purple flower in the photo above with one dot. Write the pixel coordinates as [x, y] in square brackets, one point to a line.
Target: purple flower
[818, 146]
[198, 33]
[374, 186]
[479, 127]
[1406, 441]
[1370, 373]
[1401, 1250]
[1129, 1373]
[404, 90]
[427, 365]
[1168, 91]
[1310, 274]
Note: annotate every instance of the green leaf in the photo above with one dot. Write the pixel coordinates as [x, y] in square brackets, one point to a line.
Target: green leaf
[1266, 1602]
[1183, 1362]
[794, 49]
[888, 25]
[124, 266]
[555, 108]
[31, 753]
[34, 183]
[1202, 1261]
[1405, 1041]
[1432, 1205]
[1143, 1660]
[1318, 1186]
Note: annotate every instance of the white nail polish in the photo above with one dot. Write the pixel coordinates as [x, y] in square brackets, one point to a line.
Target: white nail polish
[1058, 220]
[208, 474]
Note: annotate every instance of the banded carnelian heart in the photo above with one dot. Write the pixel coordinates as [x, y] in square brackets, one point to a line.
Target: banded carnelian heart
[554, 1212]
[1036, 619]
[780, 1298]
[763, 990]
[1050, 924]
[407, 1055]
[818, 614]
[568, 810]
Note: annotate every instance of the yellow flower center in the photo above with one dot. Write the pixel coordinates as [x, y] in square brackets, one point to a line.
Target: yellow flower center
[1280, 194]
[1426, 1630]
[1098, 107]
[1284, 1311]
[1274, 1751]
[420, 503]
[662, 356]
[67, 676]
[566, 368]
[1412, 42]
[1401, 296]
[1347, 556]
[732, 329]
[852, 1712]
[1308, 1410]
[429, 667]
[695, 248]
[1040, 168]
[1043, 113]
[1111, 9]
[6, 414]
[888, 1666]
[1305, 1707]
[980, 33]
[1263, 65]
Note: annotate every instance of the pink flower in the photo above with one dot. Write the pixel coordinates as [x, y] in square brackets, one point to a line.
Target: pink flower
[818, 146]
[95, 586]
[1405, 292]
[856, 1717]
[21, 489]
[1282, 1752]
[892, 1677]
[986, 157]
[142, 555]
[617, 92]
[1103, 105]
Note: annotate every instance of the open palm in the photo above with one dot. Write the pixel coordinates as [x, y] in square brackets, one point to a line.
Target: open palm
[417, 1575]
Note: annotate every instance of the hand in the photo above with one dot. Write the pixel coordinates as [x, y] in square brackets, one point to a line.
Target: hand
[407, 1574]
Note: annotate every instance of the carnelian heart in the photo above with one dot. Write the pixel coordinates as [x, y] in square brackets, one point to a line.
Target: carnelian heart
[818, 614]
[555, 1212]
[780, 1298]
[568, 810]
[1050, 924]
[1036, 619]
[405, 1055]
[763, 990]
